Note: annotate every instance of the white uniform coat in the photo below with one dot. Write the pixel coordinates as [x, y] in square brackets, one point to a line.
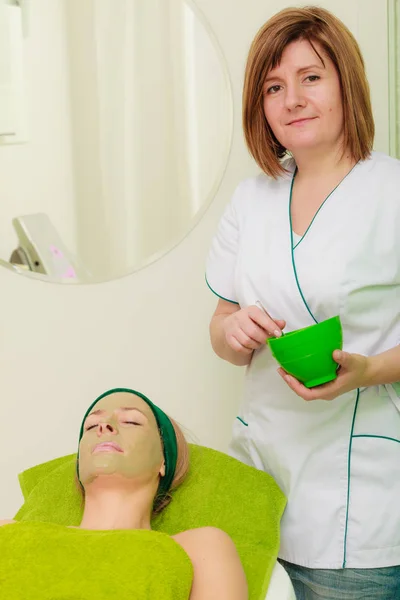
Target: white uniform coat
[338, 462]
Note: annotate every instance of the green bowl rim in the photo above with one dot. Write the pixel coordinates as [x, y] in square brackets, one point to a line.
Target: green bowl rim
[290, 333]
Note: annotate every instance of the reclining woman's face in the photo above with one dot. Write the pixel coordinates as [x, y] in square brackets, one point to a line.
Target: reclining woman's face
[121, 438]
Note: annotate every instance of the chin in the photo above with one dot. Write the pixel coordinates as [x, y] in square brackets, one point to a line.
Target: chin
[104, 460]
[100, 472]
[104, 470]
[101, 478]
[307, 138]
[303, 145]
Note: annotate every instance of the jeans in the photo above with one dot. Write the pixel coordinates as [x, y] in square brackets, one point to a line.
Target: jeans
[344, 584]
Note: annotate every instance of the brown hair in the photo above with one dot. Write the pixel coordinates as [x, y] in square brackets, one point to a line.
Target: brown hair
[315, 25]
[181, 470]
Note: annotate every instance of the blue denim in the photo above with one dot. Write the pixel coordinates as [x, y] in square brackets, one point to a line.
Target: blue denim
[344, 584]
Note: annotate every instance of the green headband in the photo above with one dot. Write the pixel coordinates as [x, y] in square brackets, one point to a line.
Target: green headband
[167, 434]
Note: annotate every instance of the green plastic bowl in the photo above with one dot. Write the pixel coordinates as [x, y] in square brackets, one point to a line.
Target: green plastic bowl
[307, 353]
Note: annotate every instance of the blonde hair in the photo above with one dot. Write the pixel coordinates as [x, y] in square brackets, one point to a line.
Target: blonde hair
[316, 25]
[181, 470]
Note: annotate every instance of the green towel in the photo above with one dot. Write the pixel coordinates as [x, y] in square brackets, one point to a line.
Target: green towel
[219, 491]
[43, 561]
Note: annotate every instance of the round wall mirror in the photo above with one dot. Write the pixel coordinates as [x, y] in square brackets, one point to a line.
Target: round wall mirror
[127, 113]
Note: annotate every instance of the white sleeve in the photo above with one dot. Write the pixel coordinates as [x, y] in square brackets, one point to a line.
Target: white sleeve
[393, 389]
[221, 262]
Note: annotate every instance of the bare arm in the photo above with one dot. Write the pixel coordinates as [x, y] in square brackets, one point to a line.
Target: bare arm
[218, 572]
[6, 522]
[236, 332]
[383, 368]
[218, 339]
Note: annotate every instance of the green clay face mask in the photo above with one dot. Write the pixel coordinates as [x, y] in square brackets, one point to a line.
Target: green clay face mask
[120, 437]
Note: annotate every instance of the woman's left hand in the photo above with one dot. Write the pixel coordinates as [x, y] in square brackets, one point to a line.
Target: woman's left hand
[352, 374]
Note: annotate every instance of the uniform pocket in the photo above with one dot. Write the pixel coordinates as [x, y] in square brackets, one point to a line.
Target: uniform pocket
[374, 507]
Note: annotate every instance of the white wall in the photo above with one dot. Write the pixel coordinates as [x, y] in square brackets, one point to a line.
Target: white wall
[38, 176]
[62, 345]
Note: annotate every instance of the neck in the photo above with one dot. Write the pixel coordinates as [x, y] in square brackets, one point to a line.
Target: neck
[315, 164]
[111, 505]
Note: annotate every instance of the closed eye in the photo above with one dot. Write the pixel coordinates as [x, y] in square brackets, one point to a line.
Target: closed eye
[91, 427]
[125, 422]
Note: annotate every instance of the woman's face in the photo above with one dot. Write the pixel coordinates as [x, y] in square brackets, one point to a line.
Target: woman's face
[303, 100]
[121, 437]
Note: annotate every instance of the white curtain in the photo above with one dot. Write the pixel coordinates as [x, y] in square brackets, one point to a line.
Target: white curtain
[150, 112]
[134, 135]
[143, 137]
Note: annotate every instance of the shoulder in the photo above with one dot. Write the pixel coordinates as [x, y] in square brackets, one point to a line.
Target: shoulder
[379, 180]
[206, 544]
[383, 167]
[262, 182]
[252, 190]
[204, 536]
[386, 161]
[218, 572]
[6, 522]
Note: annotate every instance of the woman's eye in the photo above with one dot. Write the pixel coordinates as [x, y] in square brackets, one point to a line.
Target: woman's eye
[313, 78]
[273, 89]
[91, 427]
[131, 422]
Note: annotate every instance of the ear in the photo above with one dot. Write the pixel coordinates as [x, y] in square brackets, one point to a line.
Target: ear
[162, 469]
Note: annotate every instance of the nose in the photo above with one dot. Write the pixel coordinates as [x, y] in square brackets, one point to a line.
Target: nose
[294, 98]
[103, 428]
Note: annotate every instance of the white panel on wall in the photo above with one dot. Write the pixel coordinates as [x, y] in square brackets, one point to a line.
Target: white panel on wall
[38, 176]
[8, 115]
[13, 100]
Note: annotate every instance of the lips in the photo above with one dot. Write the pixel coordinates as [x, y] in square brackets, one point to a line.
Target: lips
[300, 121]
[107, 447]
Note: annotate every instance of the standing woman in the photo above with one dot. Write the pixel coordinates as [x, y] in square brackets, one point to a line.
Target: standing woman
[315, 235]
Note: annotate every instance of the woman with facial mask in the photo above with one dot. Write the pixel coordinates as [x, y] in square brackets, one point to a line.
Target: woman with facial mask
[131, 455]
[315, 235]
